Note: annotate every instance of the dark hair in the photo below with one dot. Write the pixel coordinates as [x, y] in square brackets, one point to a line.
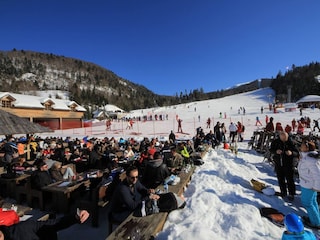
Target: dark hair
[310, 145]
[130, 169]
[157, 155]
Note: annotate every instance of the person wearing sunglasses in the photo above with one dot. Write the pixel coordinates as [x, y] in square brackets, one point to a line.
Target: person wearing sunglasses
[129, 195]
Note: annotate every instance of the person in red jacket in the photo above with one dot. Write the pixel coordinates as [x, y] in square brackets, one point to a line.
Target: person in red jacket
[270, 126]
[300, 128]
[288, 129]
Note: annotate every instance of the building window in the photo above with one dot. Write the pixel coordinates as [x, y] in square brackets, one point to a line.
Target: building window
[73, 108]
[6, 104]
[47, 107]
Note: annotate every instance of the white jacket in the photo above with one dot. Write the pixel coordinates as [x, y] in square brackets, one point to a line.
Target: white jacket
[309, 171]
[233, 127]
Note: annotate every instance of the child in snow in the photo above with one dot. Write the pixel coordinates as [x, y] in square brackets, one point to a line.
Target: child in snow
[295, 229]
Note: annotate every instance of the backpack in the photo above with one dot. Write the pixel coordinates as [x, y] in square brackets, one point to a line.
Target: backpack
[243, 128]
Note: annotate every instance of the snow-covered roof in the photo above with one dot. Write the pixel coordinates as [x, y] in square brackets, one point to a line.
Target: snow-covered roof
[29, 101]
[112, 108]
[309, 98]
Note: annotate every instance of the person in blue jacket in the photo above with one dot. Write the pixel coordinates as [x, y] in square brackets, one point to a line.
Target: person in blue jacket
[295, 229]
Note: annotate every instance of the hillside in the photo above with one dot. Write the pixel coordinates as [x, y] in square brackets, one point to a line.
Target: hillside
[88, 83]
[304, 80]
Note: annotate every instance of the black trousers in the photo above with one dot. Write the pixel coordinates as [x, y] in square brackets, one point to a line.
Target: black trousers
[285, 175]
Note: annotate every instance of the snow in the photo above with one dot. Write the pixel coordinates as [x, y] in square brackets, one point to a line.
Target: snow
[309, 98]
[30, 101]
[221, 203]
[112, 108]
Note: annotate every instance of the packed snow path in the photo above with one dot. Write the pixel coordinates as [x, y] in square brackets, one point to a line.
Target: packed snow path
[221, 203]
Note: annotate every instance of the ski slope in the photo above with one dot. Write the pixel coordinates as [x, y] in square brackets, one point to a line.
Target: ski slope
[221, 203]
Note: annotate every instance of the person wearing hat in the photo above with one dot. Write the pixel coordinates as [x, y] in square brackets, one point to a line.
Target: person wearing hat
[284, 152]
[309, 174]
[295, 229]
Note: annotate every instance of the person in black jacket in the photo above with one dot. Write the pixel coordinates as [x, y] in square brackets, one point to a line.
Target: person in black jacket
[129, 195]
[172, 137]
[41, 177]
[155, 172]
[284, 152]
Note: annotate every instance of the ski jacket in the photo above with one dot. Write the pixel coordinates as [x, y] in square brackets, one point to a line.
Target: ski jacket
[283, 159]
[306, 235]
[309, 171]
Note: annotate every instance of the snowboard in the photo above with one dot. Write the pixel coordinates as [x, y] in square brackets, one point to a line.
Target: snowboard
[273, 215]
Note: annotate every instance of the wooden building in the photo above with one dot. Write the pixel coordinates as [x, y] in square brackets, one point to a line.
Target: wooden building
[49, 112]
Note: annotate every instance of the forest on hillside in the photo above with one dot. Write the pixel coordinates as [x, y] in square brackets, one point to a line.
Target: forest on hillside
[303, 81]
[93, 85]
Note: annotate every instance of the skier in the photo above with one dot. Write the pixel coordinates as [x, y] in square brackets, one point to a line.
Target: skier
[267, 119]
[293, 124]
[261, 109]
[208, 123]
[258, 121]
[316, 125]
[179, 125]
[240, 131]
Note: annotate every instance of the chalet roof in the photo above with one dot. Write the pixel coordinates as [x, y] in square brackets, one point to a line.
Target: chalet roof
[309, 98]
[12, 124]
[29, 101]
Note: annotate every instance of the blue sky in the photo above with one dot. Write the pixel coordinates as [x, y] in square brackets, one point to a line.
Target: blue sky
[170, 45]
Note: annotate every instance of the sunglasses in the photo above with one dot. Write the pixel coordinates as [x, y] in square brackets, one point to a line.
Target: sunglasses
[134, 177]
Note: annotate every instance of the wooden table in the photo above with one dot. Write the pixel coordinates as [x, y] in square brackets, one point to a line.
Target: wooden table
[10, 183]
[62, 194]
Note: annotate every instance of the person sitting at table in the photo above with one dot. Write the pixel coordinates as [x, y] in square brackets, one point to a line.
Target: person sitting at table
[41, 230]
[41, 177]
[152, 149]
[175, 163]
[184, 152]
[58, 154]
[57, 175]
[128, 153]
[22, 165]
[129, 195]
[155, 172]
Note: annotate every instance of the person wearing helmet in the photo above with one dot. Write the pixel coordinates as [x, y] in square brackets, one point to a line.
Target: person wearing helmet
[295, 229]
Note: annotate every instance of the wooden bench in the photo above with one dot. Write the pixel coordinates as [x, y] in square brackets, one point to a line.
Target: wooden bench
[148, 227]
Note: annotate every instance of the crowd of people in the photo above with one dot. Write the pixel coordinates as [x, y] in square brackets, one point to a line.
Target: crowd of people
[150, 161]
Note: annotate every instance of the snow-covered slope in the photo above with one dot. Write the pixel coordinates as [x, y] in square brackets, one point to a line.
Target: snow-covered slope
[220, 201]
